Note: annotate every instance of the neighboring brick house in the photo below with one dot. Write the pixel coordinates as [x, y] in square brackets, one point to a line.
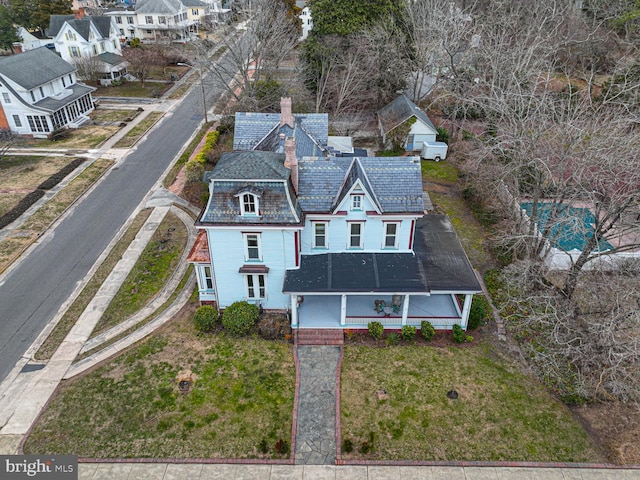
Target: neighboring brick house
[337, 242]
[39, 93]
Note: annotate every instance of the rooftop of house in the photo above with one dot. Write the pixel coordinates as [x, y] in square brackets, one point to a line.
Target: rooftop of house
[80, 25]
[394, 183]
[399, 111]
[260, 173]
[111, 58]
[35, 67]
[159, 6]
[267, 131]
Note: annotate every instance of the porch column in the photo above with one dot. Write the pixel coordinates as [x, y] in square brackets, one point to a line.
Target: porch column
[343, 310]
[294, 310]
[405, 309]
[465, 311]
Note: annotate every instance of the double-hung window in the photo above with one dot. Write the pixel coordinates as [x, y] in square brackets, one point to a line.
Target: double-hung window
[356, 230]
[6, 98]
[256, 286]
[391, 235]
[206, 278]
[252, 250]
[320, 235]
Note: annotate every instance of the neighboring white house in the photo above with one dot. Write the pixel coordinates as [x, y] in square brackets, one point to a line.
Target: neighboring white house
[29, 41]
[126, 22]
[337, 242]
[39, 93]
[400, 111]
[165, 20]
[305, 19]
[89, 37]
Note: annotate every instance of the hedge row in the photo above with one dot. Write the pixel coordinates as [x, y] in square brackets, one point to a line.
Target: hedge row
[195, 168]
[60, 175]
[20, 208]
[37, 194]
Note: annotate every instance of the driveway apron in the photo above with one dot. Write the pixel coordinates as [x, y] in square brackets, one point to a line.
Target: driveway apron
[316, 430]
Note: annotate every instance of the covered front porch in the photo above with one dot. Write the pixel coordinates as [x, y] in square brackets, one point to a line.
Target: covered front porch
[357, 310]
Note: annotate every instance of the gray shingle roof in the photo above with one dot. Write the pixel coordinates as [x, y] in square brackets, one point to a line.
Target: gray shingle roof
[51, 104]
[260, 173]
[261, 131]
[250, 165]
[80, 25]
[193, 3]
[168, 7]
[35, 67]
[395, 182]
[111, 58]
[399, 111]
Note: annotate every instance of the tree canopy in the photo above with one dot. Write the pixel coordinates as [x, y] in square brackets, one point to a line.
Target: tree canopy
[345, 17]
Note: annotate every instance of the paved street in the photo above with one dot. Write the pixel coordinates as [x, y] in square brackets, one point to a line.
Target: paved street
[33, 292]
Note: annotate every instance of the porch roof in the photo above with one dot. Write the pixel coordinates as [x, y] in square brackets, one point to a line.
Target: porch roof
[357, 272]
[199, 253]
[439, 265]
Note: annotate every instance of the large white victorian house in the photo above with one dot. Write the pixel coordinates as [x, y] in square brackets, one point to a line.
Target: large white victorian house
[337, 242]
[39, 93]
[89, 37]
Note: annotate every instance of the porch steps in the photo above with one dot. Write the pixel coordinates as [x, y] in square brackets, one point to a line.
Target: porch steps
[319, 336]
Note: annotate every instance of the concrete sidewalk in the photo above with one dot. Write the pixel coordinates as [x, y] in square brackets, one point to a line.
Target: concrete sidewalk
[172, 471]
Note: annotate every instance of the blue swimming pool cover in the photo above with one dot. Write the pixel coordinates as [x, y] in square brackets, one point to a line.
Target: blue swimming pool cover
[571, 227]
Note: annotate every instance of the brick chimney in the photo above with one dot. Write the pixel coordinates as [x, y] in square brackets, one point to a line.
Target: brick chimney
[291, 161]
[286, 117]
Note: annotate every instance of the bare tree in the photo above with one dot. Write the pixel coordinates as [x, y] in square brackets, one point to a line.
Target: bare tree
[90, 69]
[141, 60]
[271, 35]
[584, 349]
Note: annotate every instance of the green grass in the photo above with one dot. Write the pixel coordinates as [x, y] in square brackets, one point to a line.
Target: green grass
[72, 314]
[439, 171]
[12, 247]
[133, 135]
[133, 89]
[131, 407]
[153, 269]
[500, 414]
[107, 115]
[171, 176]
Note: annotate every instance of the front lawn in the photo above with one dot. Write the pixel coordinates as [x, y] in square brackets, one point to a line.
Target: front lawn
[239, 406]
[395, 407]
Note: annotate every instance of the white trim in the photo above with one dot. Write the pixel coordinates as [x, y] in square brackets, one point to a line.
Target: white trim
[351, 234]
[396, 235]
[245, 240]
[255, 279]
[314, 224]
[249, 199]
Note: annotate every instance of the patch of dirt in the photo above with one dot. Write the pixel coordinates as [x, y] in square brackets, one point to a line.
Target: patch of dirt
[615, 427]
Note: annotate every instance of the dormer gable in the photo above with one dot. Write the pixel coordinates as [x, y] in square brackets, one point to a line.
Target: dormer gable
[356, 191]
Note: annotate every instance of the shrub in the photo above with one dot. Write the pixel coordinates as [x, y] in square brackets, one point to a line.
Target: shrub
[443, 135]
[135, 42]
[347, 446]
[193, 171]
[458, 334]
[239, 317]
[427, 330]
[392, 339]
[375, 330]
[205, 318]
[408, 332]
[480, 312]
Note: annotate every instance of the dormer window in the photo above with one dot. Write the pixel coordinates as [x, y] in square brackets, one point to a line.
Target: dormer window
[356, 202]
[249, 204]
